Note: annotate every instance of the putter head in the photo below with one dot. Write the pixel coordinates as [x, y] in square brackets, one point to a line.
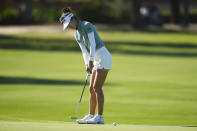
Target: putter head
[73, 118]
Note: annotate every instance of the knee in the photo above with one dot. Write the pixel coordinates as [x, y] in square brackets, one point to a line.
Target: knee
[97, 90]
[91, 89]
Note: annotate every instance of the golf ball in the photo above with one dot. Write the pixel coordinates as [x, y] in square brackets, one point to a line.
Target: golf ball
[115, 124]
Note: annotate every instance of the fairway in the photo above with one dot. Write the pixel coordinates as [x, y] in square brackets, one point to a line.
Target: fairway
[151, 87]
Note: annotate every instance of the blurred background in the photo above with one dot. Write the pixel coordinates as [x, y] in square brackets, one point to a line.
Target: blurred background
[154, 48]
[136, 13]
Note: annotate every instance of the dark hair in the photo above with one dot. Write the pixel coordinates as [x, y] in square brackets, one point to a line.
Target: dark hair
[66, 10]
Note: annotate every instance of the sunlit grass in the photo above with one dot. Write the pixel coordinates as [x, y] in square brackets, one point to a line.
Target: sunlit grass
[140, 89]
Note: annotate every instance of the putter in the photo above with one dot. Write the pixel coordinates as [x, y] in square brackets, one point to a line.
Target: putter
[87, 76]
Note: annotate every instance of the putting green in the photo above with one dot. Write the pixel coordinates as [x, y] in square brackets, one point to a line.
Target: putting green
[55, 126]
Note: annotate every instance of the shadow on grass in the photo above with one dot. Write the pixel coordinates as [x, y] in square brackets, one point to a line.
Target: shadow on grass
[24, 80]
[189, 126]
[147, 44]
[12, 42]
[40, 81]
[130, 48]
[149, 53]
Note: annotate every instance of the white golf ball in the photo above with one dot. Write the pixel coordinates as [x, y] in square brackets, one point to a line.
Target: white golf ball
[115, 124]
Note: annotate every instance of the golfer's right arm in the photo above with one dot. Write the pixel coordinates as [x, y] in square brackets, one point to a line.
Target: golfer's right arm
[85, 53]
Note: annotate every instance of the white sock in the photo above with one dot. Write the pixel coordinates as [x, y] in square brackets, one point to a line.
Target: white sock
[91, 115]
[100, 115]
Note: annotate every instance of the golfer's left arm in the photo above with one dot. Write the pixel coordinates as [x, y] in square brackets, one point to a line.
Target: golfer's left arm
[92, 48]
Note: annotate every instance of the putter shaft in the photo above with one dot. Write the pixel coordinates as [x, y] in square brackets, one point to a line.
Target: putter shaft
[87, 76]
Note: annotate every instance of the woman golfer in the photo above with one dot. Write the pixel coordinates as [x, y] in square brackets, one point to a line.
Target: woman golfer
[87, 38]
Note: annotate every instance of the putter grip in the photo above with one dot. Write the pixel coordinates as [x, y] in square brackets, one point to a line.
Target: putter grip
[88, 74]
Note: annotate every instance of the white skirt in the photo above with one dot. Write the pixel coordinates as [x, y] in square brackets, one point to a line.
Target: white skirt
[102, 59]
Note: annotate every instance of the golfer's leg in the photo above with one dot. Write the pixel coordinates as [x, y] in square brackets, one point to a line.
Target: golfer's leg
[92, 104]
[100, 77]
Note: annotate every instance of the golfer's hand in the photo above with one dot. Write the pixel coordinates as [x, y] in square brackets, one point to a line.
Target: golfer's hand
[89, 66]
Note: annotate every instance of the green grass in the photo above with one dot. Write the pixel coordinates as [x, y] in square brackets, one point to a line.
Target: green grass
[163, 44]
[152, 81]
[51, 126]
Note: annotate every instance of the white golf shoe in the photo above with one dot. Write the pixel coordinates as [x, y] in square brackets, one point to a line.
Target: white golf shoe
[85, 119]
[98, 119]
